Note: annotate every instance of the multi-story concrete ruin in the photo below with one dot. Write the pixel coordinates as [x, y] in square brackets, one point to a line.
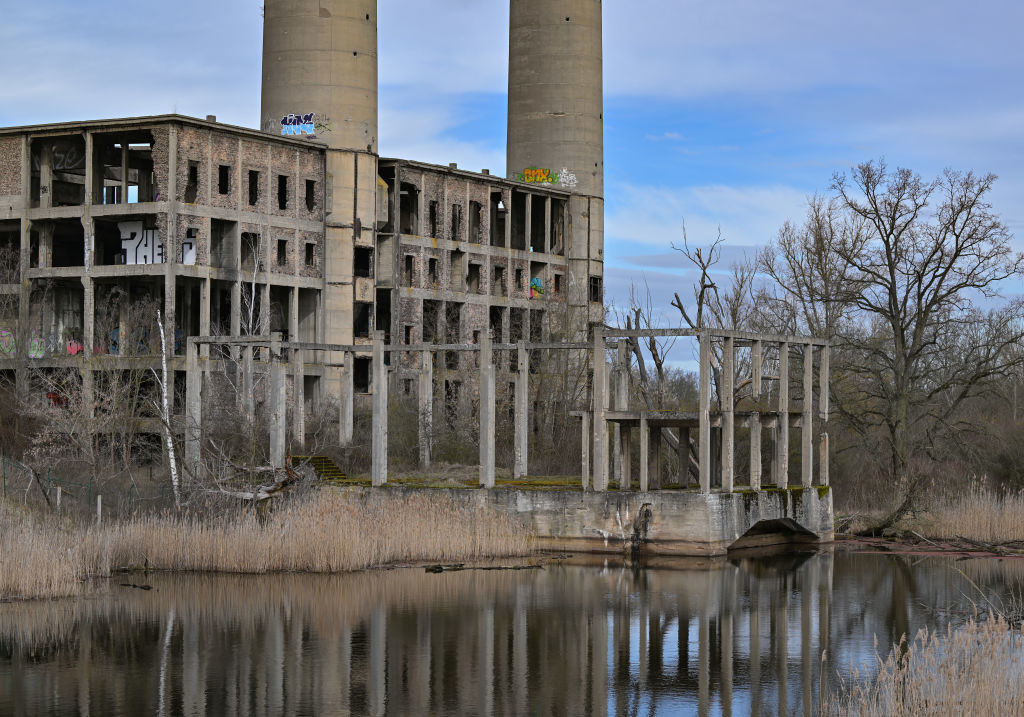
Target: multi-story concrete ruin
[301, 227]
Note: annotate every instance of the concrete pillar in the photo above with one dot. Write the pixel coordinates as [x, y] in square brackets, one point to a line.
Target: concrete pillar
[756, 368]
[379, 472]
[528, 221]
[124, 173]
[299, 396]
[823, 411]
[522, 411]
[704, 417]
[88, 316]
[645, 454]
[278, 404]
[346, 394]
[193, 406]
[45, 231]
[782, 430]
[587, 435]
[486, 411]
[807, 423]
[425, 394]
[728, 401]
[45, 175]
[626, 456]
[204, 313]
[600, 371]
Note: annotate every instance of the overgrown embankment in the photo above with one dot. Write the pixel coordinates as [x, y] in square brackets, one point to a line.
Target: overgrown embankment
[323, 532]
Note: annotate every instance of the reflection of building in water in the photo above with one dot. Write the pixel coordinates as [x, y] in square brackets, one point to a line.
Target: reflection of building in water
[562, 640]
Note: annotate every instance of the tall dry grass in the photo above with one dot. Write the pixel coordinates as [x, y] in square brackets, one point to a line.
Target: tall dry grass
[979, 514]
[976, 669]
[324, 532]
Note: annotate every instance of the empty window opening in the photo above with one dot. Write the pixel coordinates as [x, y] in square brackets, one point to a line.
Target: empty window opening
[310, 195]
[556, 286]
[68, 242]
[518, 219]
[458, 260]
[498, 287]
[456, 225]
[536, 328]
[475, 222]
[282, 251]
[408, 275]
[537, 286]
[556, 245]
[409, 333]
[310, 254]
[537, 229]
[282, 191]
[361, 375]
[517, 325]
[473, 279]
[453, 322]
[432, 271]
[361, 319]
[498, 215]
[596, 289]
[220, 246]
[188, 246]
[409, 199]
[223, 179]
[497, 315]
[383, 321]
[433, 219]
[407, 386]
[362, 261]
[192, 186]
[254, 187]
[250, 252]
[431, 321]
[519, 281]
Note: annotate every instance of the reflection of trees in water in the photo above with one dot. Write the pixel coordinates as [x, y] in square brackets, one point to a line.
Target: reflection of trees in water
[567, 639]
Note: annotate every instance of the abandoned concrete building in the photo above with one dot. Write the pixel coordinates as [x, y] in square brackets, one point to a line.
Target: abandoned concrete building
[299, 226]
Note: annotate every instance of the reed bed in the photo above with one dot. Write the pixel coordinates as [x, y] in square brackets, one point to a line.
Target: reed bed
[324, 532]
[979, 514]
[974, 669]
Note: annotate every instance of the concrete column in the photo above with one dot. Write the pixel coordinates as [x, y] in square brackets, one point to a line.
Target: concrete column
[299, 396]
[807, 424]
[645, 454]
[704, 446]
[90, 170]
[586, 437]
[248, 397]
[547, 225]
[600, 371]
[278, 402]
[169, 194]
[293, 314]
[528, 221]
[346, 394]
[204, 313]
[45, 230]
[124, 172]
[728, 401]
[522, 412]
[45, 175]
[379, 473]
[782, 429]
[425, 394]
[823, 411]
[88, 316]
[193, 406]
[486, 411]
[756, 363]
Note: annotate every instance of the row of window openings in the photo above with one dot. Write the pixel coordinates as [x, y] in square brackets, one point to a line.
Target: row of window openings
[473, 277]
[224, 186]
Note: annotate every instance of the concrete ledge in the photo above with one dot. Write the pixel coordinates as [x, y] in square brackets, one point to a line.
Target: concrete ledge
[656, 523]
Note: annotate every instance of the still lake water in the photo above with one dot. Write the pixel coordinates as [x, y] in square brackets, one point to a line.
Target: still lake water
[741, 636]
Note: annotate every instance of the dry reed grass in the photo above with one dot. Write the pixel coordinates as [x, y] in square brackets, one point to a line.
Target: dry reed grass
[978, 514]
[975, 669]
[325, 532]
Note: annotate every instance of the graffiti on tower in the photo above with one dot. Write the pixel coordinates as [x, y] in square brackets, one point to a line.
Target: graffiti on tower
[305, 124]
[542, 175]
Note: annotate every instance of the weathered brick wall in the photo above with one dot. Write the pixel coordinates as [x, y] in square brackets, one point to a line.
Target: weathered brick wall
[161, 137]
[202, 240]
[317, 240]
[255, 158]
[10, 167]
[192, 146]
[224, 152]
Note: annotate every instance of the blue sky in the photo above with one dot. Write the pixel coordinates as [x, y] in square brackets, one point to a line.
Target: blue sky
[723, 114]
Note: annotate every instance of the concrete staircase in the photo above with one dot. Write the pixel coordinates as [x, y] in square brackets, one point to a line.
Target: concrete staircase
[326, 469]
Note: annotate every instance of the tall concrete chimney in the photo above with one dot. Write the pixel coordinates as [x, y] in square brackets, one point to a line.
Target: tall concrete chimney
[320, 81]
[556, 121]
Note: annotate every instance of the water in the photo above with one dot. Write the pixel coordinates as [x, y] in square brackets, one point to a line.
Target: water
[678, 637]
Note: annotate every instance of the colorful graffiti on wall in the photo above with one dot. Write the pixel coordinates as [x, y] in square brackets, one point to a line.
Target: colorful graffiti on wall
[542, 175]
[536, 287]
[308, 124]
